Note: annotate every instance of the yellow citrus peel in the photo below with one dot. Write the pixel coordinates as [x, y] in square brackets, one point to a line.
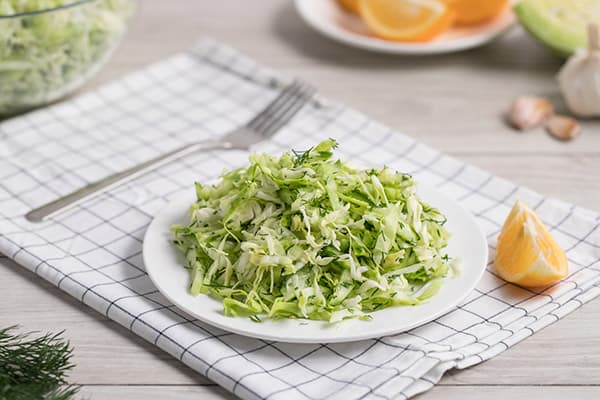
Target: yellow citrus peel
[527, 254]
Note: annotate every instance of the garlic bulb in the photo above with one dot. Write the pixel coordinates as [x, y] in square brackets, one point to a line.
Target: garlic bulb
[580, 78]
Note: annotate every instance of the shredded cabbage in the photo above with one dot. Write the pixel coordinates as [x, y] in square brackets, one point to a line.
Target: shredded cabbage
[45, 55]
[307, 236]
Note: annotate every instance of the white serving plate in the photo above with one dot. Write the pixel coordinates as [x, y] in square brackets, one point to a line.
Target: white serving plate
[328, 18]
[165, 265]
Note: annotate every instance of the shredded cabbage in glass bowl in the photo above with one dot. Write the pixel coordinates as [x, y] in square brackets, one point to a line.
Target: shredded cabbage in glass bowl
[49, 48]
[304, 235]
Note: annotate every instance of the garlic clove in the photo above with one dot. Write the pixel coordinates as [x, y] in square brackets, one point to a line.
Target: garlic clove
[528, 112]
[563, 128]
[579, 79]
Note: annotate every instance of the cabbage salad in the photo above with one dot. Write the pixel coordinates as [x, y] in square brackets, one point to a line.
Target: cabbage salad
[46, 50]
[305, 235]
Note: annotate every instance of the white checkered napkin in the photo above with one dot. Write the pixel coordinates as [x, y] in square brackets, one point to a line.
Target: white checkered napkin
[94, 252]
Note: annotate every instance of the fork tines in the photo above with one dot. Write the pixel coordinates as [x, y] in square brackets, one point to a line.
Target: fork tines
[282, 108]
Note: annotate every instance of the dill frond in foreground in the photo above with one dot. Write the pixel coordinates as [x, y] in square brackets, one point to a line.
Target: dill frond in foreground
[34, 367]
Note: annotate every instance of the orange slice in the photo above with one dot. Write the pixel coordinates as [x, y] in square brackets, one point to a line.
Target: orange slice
[350, 5]
[470, 12]
[527, 254]
[406, 20]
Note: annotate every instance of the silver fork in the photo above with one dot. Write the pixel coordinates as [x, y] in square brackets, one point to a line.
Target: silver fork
[272, 118]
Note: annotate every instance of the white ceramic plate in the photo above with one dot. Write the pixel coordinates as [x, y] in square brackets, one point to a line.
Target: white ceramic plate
[328, 18]
[164, 264]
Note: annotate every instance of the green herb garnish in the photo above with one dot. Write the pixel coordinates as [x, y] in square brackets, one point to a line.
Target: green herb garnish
[34, 368]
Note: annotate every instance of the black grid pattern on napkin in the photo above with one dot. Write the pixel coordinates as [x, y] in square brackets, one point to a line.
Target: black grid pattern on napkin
[94, 252]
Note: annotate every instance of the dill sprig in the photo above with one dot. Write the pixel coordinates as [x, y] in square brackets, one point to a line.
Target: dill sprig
[300, 157]
[34, 367]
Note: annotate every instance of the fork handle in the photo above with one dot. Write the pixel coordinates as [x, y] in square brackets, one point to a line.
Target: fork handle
[112, 181]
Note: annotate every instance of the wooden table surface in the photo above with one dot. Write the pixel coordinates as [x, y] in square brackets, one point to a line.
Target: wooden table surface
[453, 102]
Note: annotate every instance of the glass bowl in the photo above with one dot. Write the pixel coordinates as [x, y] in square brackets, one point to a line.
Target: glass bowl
[47, 54]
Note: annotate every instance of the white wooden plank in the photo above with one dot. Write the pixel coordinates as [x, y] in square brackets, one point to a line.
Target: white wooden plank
[437, 393]
[149, 392]
[570, 178]
[511, 392]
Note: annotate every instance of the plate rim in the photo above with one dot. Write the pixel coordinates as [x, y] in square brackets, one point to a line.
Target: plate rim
[187, 194]
[388, 47]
